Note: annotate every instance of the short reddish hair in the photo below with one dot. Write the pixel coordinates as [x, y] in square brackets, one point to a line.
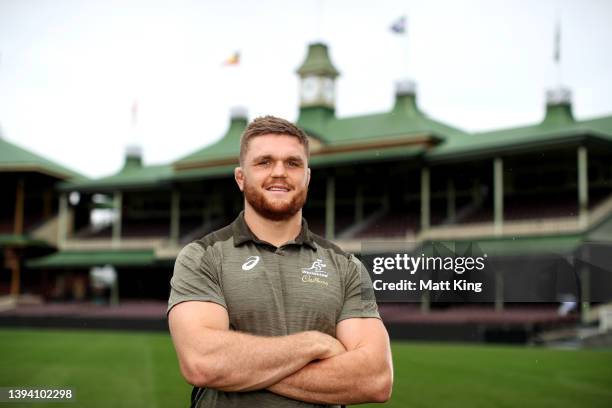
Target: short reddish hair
[266, 125]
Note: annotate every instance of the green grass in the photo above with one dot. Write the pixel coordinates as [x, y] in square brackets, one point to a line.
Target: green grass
[489, 376]
[106, 369]
[115, 369]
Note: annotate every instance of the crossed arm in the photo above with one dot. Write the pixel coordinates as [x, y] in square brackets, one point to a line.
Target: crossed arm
[308, 366]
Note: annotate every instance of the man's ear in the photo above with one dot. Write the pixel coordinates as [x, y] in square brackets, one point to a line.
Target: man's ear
[239, 177]
[307, 176]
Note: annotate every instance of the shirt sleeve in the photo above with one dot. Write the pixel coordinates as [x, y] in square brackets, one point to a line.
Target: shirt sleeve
[359, 299]
[195, 277]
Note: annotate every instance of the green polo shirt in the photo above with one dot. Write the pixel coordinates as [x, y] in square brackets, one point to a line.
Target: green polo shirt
[306, 284]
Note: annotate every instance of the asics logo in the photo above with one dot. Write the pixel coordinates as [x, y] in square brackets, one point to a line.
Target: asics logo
[250, 263]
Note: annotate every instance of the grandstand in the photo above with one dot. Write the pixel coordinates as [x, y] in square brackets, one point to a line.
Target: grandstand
[28, 213]
[394, 175]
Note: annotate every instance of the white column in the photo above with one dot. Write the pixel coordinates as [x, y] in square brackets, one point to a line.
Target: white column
[498, 195]
[499, 290]
[425, 302]
[585, 286]
[62, 228]
[425, 214]
[118, 206]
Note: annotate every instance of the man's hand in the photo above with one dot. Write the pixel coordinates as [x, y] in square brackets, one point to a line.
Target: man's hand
[210, 355]
[332, 346]
[363, 374]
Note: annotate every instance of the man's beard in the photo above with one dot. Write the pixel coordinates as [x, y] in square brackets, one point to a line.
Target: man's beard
[276, 210]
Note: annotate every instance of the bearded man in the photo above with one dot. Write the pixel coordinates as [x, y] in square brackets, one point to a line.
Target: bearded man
[264, 313]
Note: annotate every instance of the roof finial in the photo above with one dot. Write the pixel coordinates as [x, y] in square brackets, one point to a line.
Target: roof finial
[405, 86]
[238, 112]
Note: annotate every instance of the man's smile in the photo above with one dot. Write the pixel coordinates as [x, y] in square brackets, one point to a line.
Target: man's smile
[282, 188]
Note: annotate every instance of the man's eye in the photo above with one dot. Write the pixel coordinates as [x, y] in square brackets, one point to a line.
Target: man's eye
[294, 164]
[263, 162]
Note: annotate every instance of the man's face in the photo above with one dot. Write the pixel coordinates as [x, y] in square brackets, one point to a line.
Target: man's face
[274, 176]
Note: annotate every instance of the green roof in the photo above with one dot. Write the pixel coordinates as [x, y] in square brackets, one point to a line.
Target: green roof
[405, 120]
[16, 159]
[602, 125]
[557, 128]
[129, 177]
[361, 156]
[403, 125]
[86, 259]
[206, 172]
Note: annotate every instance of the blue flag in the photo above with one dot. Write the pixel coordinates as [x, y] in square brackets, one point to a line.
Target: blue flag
[399, 26]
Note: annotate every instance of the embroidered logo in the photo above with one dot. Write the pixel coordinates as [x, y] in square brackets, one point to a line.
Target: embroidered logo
[315, 273]
[250, 263]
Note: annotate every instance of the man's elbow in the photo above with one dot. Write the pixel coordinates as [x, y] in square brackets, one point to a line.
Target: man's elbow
[198, 375]
[205, 375]
[382, 387]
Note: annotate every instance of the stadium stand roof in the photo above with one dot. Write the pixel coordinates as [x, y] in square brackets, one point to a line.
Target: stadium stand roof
[133, 175]
[405, 121]
[17, 159]
[402, 132]
[557, 128]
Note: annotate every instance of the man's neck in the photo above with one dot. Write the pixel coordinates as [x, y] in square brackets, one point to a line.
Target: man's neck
[276, 233]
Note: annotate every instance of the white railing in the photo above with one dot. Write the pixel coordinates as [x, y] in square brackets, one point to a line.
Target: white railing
[540, 226]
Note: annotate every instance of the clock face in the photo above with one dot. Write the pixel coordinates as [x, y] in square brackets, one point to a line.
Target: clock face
[310, 89]
[328, 90]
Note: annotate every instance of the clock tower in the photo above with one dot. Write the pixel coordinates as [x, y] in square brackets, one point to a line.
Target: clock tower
[317, 79]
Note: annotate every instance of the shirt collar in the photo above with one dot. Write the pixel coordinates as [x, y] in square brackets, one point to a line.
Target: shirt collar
[242, 233]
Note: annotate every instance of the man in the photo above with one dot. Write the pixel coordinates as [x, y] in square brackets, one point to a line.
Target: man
[263, 313]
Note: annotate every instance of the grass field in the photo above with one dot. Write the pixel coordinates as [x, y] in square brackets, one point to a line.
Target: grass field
[114, 369]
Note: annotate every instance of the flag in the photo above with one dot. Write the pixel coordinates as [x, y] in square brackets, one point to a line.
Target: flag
[399, 25]
[134, 112]
[557, 52]
[233, 60]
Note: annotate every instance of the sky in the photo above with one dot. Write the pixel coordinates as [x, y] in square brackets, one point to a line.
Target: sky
[71, 70]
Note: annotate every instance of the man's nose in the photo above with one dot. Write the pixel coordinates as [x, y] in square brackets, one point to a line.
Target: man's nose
[279, 170]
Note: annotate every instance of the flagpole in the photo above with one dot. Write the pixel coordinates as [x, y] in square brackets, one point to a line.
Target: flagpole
[230, 68]
[318, 22]
[399, 28]
[557, 52]
[407, 51]
[133, 138]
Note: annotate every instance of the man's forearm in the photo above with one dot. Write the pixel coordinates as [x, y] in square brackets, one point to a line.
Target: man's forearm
[233, 361]
[353, 377]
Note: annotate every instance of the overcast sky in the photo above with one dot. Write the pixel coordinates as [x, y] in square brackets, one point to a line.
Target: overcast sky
[70, 70]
